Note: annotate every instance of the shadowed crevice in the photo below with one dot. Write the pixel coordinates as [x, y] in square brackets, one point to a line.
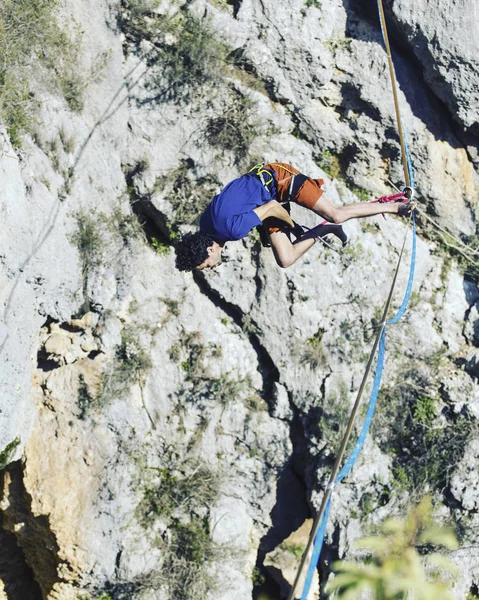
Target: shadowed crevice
[28, 548]
[266, 366]
[16, 574]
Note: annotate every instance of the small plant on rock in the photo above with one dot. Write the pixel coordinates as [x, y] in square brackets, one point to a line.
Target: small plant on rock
[330, 163]
[124, 225]
[179, 488]
[314, 354]
[130, 366]
[7, 453]
[85, 399]
[94, 235]
[187, 194]
[89, 240]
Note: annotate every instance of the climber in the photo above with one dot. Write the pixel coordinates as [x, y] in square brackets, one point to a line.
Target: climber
[260, 198]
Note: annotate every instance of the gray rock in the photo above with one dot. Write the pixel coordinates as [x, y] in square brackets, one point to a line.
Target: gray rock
[252, 371]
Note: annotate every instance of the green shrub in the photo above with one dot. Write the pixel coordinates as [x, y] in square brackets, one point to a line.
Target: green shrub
[369, 227]
[189, 351]
[85, 400]
[138, 20]
[192, 355]
[178, 494]
[188, 195]
[7, 453]
[425, 449]
[257, 578]
[255, 403]
[330, 164]
[124, 225]
[172, 306]
[185, 54]
[26, 26]
[130, 365]
[160, 247]
[400, 478]
[16, 108]
[235, 129]
[361, 193]
[224, 389]
[191, 552]
[93, 229]
[354, 252]
[192, 61]
[296, 551]
[67, 141]
[395, 568]
[186, 487]
[193, 542]
[184, 58]
[424, 410]
[33, 46]
[89, 240]
[140, 8]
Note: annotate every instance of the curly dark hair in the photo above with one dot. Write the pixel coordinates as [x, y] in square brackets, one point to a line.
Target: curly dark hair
[191, 250]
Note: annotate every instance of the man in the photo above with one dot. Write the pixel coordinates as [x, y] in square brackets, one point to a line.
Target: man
[257, 199]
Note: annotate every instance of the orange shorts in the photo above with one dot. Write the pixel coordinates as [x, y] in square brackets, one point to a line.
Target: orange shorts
[307, 195]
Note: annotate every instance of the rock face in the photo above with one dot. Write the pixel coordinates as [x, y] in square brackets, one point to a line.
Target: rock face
[165, 433]
[444, 40]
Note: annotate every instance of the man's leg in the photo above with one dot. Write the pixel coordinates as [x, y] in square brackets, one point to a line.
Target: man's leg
[284, 251]
[335, 213]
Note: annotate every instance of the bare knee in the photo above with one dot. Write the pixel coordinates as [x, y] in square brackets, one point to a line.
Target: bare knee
[329, 211]
[335, 214]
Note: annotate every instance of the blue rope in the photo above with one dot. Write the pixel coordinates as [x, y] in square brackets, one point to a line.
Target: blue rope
[348, 465]
[407, 295]
[318, 544]
[408, 160]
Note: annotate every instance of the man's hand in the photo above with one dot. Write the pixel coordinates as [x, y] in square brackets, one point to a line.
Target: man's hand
[274, 209]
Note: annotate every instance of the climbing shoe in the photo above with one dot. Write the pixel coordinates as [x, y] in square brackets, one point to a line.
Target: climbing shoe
[324, 229]
[298, 231]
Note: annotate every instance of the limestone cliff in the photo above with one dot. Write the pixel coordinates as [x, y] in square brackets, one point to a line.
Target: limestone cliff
[164, 433]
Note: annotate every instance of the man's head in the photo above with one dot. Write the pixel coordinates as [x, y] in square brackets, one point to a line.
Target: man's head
[197, 251]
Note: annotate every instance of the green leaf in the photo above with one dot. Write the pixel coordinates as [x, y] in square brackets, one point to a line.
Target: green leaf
[439, 536]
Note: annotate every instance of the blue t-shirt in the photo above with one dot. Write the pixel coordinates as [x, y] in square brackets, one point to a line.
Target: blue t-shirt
[229, 216]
